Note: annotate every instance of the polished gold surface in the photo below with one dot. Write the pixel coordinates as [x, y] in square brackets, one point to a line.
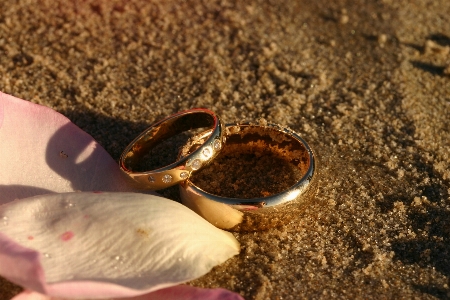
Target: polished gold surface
[181, 169]
[253, 214]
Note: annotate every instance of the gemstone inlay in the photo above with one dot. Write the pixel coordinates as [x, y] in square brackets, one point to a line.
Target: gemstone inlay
[167, 178]
[196, 164]
[184, 175]
[206, 152]
[151, 179]
[217, 145]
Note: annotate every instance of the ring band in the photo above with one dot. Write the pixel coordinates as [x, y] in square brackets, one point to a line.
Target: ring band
[160, 131]
[261, 213]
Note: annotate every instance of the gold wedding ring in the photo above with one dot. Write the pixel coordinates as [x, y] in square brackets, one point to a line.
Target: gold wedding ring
[260, 213]
[181, 169]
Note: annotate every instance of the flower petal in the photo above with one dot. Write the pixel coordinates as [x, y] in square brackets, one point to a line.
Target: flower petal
[42, 152]
[185, 292]
[180, 292]
[30, 295]
[106, 244]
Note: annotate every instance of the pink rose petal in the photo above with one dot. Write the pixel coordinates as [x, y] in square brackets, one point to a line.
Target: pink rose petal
[180, 292]
[131, 244]
[189, 293]
[20, 264]
[31, 295]
[43, 152]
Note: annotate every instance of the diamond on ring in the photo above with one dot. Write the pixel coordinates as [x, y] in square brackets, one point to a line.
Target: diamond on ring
[196, 164]
[206, 152]
[217, 145]
[167, 178]
[184, 175]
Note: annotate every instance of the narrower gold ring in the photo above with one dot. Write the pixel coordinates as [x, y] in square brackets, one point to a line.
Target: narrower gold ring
[160, 131]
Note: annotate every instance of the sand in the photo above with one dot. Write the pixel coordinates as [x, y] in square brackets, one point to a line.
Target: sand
[366, 83]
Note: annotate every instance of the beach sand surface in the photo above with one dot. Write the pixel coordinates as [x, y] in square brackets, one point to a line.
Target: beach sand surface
[366, 83]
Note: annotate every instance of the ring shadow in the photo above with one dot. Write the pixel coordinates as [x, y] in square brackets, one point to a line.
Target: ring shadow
[112, 133]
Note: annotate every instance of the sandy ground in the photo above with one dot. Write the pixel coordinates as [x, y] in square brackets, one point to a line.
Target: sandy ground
[366, 83]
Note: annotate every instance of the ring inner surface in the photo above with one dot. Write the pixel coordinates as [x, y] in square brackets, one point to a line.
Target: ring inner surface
[255, 162]
[156, 147]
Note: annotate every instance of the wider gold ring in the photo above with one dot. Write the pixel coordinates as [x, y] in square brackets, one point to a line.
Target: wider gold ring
[261, 213]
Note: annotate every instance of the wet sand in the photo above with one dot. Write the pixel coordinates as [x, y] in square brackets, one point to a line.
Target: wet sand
[366, 83]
